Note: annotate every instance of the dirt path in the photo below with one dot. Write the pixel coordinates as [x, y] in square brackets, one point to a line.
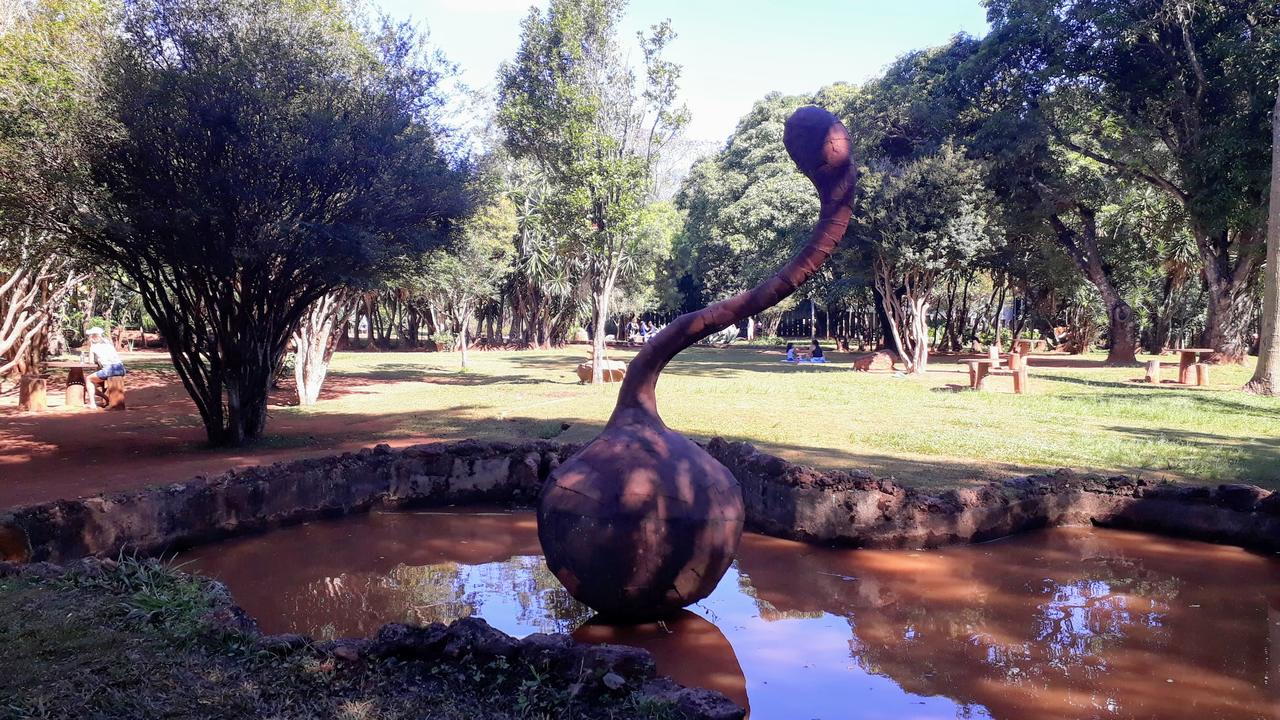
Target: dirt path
[65, 453]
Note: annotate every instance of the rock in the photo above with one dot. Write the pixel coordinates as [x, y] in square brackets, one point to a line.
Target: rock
[694, 703]
[284, 643]
[878, 361]
[548, 653]
[474, 638]
[13, 541]
[630, 663]
[409, 641]
[43, 571]
[613, 681]
[613, 371]
[1239, 497]
[90, 567]
[346, 650]
[230, 620]
[1271, 504]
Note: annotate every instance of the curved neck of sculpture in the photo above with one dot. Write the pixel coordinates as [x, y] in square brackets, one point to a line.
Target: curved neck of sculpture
[637, 398]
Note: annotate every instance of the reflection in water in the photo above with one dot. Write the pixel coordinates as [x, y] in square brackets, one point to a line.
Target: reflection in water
[1067, 623]
[688, 648]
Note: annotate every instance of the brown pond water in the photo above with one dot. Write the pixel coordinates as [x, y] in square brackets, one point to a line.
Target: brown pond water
[1065, 623]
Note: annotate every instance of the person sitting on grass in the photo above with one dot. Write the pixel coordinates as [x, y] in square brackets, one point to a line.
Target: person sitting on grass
[791, 353]
[815, 354]
[104, 355]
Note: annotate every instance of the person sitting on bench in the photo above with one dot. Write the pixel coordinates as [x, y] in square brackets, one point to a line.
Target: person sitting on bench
[104, 354]
[815, 353]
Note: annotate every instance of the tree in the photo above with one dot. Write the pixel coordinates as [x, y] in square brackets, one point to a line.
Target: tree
[916, 222]
[271, 151]
[1172, 93]
[50, 58]
[1043, 184]
[643, 286]
[1266, 378]
[569, 103]
[546, 289]
[747, 208]
[475, 266]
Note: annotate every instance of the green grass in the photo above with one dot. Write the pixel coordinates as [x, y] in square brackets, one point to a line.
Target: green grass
[927, 431]
[132, 643]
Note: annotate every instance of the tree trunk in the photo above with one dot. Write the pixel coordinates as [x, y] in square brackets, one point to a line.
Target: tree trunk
[1227, 320]
[315, 341]
[920, 335]
[599, 321]
[891, 339]
[463, 340]
[1082, 248]
[1266, 377]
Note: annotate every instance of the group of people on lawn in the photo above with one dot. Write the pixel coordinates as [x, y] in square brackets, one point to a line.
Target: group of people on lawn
[640, 332]
[815, 354]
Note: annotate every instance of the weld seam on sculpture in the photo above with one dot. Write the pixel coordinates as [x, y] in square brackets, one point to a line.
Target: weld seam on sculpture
[642, 521]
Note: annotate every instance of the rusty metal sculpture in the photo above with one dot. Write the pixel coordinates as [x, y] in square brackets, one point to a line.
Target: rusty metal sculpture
[642, 521]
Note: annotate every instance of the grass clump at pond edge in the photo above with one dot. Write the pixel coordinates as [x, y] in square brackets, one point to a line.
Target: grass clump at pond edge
[132, 640]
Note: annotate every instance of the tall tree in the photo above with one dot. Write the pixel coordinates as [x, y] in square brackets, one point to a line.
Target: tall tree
[271, 151]
[917, 222]
[50, 75]
[1266, 378]
[569, 102]
[1173, 93]
[475, 267]
[747, 208]
[1045, 187]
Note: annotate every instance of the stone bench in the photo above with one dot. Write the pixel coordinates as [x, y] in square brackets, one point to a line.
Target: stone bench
[980, 370]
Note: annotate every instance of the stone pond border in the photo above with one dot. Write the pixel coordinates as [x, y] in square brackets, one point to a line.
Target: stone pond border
[848, 508]
[783, 499]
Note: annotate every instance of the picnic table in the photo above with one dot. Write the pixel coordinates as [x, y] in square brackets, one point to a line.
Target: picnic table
[1187, 359]
[979, 370]
[75, 395]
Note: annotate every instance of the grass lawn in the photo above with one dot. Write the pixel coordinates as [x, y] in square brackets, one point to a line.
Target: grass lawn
[132, 643]
[927, 431]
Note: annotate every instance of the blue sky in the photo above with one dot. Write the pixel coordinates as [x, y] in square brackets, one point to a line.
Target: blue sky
[733, 51]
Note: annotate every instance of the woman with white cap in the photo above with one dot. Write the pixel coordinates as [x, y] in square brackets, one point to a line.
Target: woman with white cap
[102, 353]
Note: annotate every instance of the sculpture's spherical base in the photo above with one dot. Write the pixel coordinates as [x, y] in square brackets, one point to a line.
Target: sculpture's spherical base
[640, 523]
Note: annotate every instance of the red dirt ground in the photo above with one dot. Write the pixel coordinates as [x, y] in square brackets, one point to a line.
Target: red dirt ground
[65, 453]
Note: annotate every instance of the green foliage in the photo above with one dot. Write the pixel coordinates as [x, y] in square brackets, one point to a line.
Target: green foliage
[269, 152]
[925, 217]
[748, 208]
[50, 117]
[570, 105]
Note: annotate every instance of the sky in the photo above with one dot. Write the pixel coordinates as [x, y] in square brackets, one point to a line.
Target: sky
[734, 52]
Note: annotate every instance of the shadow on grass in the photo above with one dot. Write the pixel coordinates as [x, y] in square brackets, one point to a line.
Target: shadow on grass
[1204, 397]
[1257, 462]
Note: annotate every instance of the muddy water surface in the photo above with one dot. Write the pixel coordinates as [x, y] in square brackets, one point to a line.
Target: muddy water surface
[1065, 623]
